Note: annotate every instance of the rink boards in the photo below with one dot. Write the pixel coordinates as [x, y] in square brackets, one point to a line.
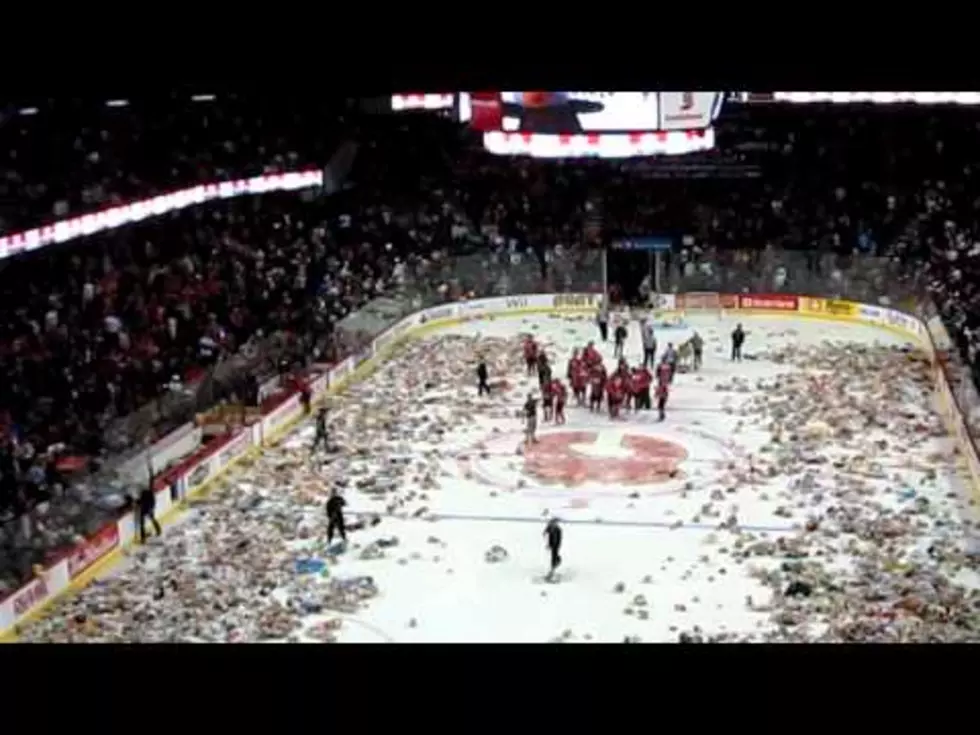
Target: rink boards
[99, 553]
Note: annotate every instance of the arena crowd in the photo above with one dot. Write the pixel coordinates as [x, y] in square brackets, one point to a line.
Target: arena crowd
[97, 329]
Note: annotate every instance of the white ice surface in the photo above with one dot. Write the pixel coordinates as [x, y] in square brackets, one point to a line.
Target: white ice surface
[436, 586]
[614, 538]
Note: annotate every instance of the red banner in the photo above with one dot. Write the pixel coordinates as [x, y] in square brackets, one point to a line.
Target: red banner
[94, 548]
[773, 302]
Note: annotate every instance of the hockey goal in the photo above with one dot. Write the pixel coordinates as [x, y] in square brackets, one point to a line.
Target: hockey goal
[701, 301]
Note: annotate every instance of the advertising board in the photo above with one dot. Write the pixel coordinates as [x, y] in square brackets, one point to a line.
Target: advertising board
[92, 549]
[29, 596]
[828, 307]
[281, 416]
[516, 302]
[770, 302]
[440, 312]
[576, 300]
[706, 300]
[235, 448]
[837, 307]
[871, 313]
[199, 475]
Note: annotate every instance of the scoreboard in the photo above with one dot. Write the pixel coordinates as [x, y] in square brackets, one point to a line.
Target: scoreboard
[573, 124]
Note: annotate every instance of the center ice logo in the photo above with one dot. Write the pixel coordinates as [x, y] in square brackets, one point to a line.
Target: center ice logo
[579, 457]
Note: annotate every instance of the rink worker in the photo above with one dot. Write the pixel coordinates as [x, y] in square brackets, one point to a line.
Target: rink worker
[544, 370]
[649, 344]
[321, 430]
[146, 506]
[671, 358]
[530, 419]
[602, 320]
[738, 339]
[697, 349]
[619, 336]
[335, 517]
[482, 374]
[552, 533]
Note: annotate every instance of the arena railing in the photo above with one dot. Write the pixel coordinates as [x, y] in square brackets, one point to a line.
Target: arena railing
[473, 276]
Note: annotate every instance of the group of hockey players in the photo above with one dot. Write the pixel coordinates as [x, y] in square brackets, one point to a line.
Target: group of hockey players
[625, 388]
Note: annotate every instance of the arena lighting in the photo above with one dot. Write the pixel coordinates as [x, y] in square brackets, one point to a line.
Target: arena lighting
[421, 101]
[143, 209]
[880, 98]
[600, 145]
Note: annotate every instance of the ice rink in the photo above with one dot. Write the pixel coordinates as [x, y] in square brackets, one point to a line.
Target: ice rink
[820, 457]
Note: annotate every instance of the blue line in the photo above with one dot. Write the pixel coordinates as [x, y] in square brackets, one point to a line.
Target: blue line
[637, 524]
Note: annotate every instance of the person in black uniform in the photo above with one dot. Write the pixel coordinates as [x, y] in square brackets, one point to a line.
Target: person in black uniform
[553, 533]
[544, 370]
[481, 375]
[335, 517]
[738, 339]
[619, 334]
[321, 430]
[146, 510]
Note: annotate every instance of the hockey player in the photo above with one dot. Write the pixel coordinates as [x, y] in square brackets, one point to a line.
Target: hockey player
[670, 357]
[544, 369]
[530, 419]
[697, 350]
[530, 354]
[597, 384]
[663, 391]
[580, 380]
[335, 517]
[481, 375]
[547, 401]
[553, 533]
[619, 335]
[572, 363]
[738, 339]
[321, 430]
[641, 387]
[649, 344]
[591, 356]
[560, 395]
[615, 393]
[663, 371]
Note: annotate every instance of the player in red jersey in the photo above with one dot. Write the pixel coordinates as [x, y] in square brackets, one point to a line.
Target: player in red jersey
[597, 384]
[663, 393]
[560, 394]
[591, 355]
[580, 381]
[642, 379]
[530, 355]
[547, 400]
[615, 392]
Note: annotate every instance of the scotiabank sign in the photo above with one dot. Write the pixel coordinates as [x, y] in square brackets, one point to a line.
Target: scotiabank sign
[92, 549]
[772, 302]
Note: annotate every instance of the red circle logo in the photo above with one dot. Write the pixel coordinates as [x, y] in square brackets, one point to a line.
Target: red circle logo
[579, 457]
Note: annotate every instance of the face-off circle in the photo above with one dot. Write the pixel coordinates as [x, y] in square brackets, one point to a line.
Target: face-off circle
[573, 458]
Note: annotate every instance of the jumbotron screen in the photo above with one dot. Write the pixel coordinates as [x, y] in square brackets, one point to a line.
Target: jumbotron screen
[574, 124]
